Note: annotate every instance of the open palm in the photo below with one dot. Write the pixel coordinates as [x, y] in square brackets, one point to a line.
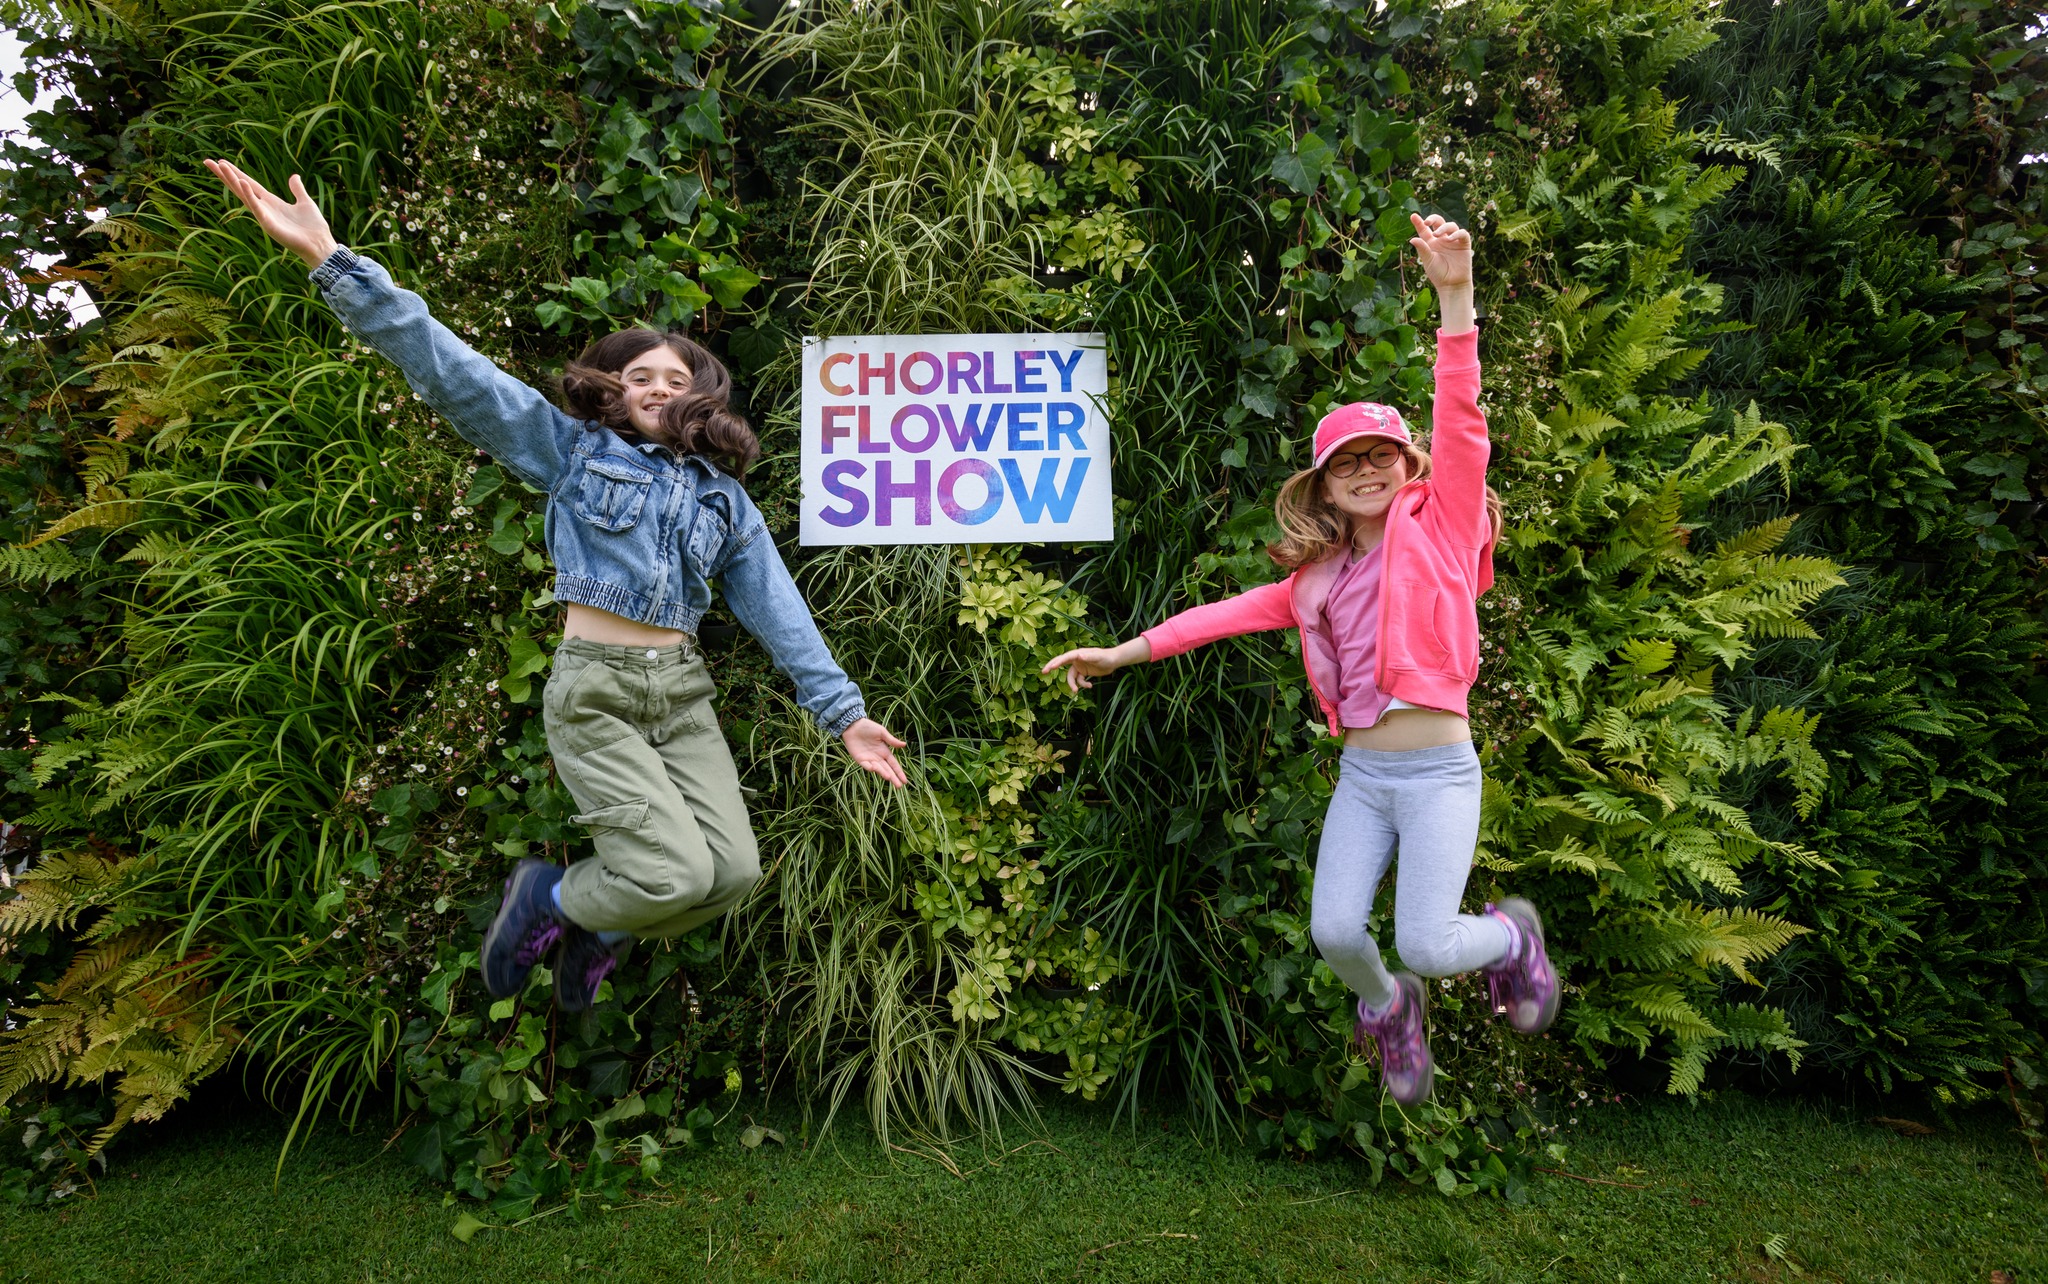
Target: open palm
[297, 225]
[873, 746]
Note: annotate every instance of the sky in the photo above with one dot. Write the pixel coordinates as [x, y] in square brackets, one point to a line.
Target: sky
[14, 110]
[12, 107]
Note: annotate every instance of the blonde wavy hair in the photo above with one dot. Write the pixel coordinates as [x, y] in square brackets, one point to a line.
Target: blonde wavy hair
[1312, 528]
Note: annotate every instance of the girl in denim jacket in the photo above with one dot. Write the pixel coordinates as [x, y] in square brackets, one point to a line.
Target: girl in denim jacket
[645, 508]
[1389, 550]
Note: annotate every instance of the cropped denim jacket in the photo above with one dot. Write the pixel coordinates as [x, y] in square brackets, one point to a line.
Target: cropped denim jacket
[632, 528]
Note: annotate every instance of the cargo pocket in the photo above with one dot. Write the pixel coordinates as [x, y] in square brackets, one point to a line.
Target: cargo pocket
[625, 815]
[612, 494]
[631, 862]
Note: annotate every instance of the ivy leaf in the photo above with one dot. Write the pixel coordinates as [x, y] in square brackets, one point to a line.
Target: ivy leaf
[1259, 396]
[1393, 225]
[753, 347]
[1302, 168]
[684, 295]
[395, 801]
[1369, 126]
[1386, 68]
[678, 199]
[728, 283]
[1277, 972]
[507, 539]
[484, 485]
[526, 659]
[466, 1226]
[702, 117]
[426, 1147]
[434, 991]
[589, 290]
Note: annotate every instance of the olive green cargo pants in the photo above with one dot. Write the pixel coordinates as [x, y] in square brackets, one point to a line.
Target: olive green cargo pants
[635, 741]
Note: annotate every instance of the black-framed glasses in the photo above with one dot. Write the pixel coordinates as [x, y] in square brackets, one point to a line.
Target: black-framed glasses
[1385, 455]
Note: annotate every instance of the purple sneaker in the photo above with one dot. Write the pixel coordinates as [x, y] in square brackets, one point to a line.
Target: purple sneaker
[1524, 985]
[525, 929]
[587, 959]
[1402, 1032]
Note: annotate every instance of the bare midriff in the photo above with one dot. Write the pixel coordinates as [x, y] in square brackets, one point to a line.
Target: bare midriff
[1400, 729]
[594, 625]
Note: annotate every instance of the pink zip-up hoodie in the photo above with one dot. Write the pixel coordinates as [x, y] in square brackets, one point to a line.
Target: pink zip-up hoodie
[1437, 559]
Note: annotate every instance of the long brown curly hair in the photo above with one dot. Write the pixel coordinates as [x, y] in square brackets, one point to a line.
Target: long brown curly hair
[1312, 528]
[700, 422]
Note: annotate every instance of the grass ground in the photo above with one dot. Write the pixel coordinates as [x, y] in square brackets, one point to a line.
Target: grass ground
[1683, 1194]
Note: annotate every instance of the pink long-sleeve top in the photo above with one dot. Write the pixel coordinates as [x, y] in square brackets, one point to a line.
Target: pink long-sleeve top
[1435, 560]
[1352, 615]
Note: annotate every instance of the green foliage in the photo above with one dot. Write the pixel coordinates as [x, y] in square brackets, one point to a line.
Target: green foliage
[1881, 265]
[46, 1149]
[647, 166]
[2027, 1088]
[275, 639]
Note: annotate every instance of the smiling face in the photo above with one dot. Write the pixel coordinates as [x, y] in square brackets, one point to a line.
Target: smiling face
[653, 379]
[1367, 490]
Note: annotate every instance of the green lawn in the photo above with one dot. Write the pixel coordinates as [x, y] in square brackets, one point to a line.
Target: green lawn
[1704, 1188]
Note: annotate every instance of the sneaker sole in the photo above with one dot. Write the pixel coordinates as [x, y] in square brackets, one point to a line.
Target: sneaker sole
[619, 956]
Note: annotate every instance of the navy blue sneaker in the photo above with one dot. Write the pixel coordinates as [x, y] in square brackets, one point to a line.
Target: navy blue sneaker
[526, 928]
[587, 959]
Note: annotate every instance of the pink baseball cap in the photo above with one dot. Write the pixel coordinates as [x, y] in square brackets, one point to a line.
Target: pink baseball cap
[1359, 419]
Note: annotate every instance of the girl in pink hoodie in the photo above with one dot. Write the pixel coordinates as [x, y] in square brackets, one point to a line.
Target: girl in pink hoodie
[1390, 548]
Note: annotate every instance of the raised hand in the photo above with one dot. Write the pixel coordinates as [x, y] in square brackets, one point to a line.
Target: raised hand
[1088, 662]
[298, 225]
[871, 745]
[1445, 250]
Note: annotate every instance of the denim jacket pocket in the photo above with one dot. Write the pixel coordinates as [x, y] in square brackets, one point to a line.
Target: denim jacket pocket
[610, 495]
[709, 535]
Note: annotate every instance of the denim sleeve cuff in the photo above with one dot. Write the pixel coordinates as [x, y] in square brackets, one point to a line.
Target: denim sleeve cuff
[334, 267]
[839, 725]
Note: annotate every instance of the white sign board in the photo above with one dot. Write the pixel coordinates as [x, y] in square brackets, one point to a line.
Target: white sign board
[955, 439]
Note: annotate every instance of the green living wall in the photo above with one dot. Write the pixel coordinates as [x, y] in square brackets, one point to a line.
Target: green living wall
[275, 638]
[1882, 264]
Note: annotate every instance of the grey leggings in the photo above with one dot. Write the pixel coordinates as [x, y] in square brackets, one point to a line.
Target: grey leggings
[1426, 803]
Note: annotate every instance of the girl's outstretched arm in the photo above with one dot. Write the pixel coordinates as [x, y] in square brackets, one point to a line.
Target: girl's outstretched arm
[1084, 663]
[1458, 443]
[762, 596]
[519, 426]
[1269, 606]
